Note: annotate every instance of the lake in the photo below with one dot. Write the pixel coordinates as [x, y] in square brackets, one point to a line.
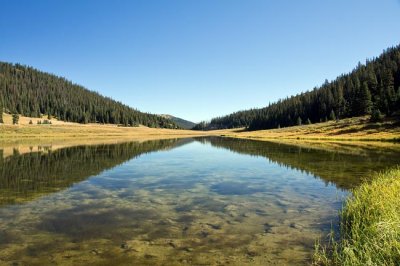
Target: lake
[202, 201]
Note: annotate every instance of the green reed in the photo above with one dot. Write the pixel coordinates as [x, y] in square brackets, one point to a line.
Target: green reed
[369, 226]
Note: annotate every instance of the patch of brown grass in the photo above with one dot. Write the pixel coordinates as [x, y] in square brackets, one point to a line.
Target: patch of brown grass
[358, 128]
[82, 134]
[350, 129]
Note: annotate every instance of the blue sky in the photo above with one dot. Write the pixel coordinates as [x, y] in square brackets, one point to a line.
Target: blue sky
[197, 59]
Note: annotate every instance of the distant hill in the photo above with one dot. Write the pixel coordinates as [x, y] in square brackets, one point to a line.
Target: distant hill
[371, 88]
[180, 122]
[33, 93]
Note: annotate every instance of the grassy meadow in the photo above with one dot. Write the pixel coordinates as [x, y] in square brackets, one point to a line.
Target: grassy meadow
[369, 226]
[349, 129]
[83, 133]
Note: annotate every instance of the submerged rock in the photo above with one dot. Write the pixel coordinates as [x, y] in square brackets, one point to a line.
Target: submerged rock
[295, 225]
[267, 228]
[234, 188]
[149, 256]
[252, 253]
[188, 249]
[204, 234]
[214, 226]
[172, 244]
[95, 251]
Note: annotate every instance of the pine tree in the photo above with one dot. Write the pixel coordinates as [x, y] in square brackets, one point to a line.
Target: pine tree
[376, 115]
[340, 101]
[387, 93]
[392, 99]
[381, 100]
[1, 111]
[371, 79]
[299, 121]
[332, 115]
[15, 119]
[365, 102]
[398, 97]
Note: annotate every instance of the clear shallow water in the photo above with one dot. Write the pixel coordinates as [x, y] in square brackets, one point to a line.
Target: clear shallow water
[205, 201]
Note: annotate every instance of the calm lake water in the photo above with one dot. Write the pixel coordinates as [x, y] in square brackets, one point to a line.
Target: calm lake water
[206, 201]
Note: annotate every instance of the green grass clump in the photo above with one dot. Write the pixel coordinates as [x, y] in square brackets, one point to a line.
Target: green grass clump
[369, 226]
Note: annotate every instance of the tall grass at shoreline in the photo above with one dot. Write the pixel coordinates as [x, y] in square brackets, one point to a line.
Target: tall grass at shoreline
[369, 226]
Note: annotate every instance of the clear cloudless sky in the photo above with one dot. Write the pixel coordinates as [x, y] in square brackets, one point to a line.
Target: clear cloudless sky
[197, 59]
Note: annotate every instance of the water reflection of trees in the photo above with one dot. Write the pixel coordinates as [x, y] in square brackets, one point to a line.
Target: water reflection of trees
[27, 176]
[344, 169]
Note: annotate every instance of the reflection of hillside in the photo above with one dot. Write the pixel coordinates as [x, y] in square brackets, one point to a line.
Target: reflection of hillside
[27, 176]
[346, 169]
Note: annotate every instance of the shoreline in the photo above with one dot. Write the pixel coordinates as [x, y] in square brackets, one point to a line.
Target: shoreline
[351, 131]
[144, 134]
[369, 225]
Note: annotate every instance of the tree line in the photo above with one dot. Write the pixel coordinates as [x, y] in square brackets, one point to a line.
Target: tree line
[373, 87]
[30, 92]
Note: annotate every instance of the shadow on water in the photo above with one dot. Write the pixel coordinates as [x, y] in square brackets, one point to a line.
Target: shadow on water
[346, 168]
[28, 176]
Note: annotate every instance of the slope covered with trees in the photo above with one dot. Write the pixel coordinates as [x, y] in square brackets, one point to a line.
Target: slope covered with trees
[370, 87]
[29, 92]
[1, 111]
[185, 124]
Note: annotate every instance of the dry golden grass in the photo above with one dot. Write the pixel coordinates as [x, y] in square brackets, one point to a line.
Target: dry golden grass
[75, 133]
[23, 120]
[355, 129]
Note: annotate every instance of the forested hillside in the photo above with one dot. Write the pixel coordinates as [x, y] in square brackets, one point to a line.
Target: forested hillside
[180, 122]
[29, 92]
[370, 88]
